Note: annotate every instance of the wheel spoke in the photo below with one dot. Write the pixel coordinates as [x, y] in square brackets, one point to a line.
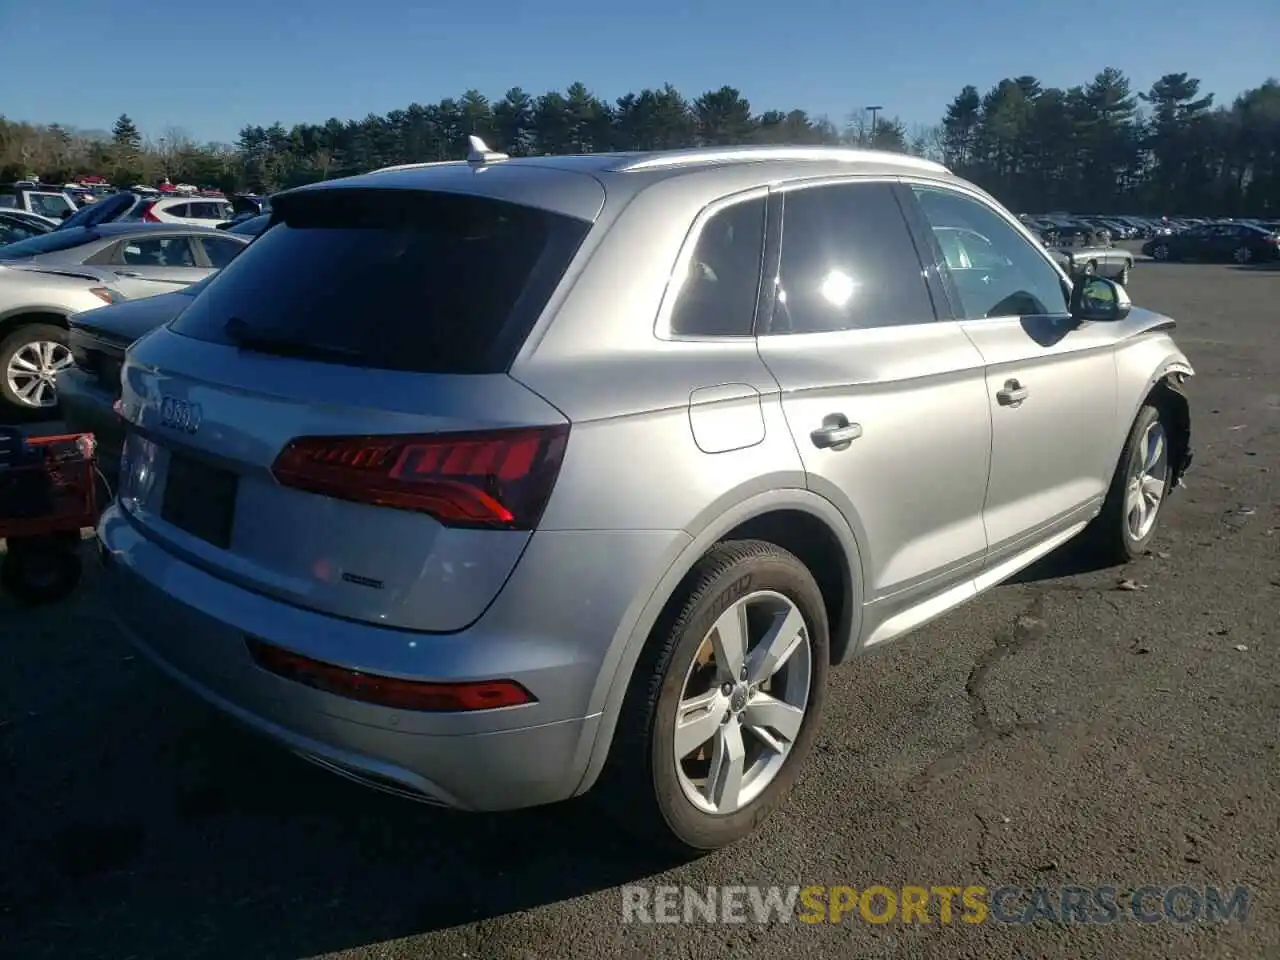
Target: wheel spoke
[766, 715]
[28, 390]
[20, 362]
[729, 638]
[728, 762]
[777, 646]
[1155, 452]
[698, 720]
[1152, 489]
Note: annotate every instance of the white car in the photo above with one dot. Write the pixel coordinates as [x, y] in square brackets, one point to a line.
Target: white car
[194, 211]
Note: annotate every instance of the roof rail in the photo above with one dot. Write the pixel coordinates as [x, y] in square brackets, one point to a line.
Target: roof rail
[417, 166]
[746, 154]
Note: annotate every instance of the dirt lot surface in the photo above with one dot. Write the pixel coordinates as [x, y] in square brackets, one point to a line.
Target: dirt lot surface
[1059, 730]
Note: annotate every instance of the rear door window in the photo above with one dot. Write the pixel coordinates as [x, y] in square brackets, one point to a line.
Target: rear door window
[50, 205]
[156, 252]
[176, 210]
[390, 279]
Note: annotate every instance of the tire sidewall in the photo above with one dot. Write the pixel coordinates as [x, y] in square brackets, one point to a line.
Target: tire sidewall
[783, 574]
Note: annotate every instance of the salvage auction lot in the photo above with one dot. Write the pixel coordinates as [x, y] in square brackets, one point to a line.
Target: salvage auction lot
[1065, 729]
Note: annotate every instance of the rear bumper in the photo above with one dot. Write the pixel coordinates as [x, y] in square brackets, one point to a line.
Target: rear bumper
[194, 625]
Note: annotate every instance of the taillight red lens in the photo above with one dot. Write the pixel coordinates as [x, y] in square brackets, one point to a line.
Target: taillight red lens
[387, 691]
[147, 215]
[498, 479]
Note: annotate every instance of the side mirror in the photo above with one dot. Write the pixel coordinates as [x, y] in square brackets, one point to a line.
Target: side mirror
[65, 214]
[1098, 300]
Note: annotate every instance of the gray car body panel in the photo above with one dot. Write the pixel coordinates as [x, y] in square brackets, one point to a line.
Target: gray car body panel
[674, 443]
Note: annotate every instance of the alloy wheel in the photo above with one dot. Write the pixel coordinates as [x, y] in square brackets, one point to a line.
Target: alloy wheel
[1242, 255]
[1148, 478]
[33, 369]
[743, 702]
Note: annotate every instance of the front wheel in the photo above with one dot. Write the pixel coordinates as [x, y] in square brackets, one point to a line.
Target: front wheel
[30, 359]
[1160, 252]
[1131, 511]
[1242, 255]
[725, 701]
[1123, 278]
[1090, 268]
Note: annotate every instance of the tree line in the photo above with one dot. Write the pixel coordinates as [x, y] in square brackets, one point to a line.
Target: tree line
[1098, 147]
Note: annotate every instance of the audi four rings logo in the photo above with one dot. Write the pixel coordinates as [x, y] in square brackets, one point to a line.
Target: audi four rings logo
[179, 414]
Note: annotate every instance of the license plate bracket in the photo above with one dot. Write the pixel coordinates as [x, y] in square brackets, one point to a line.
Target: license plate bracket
[200, 499]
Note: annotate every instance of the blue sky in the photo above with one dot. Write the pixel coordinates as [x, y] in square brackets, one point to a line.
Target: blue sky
[210, 68]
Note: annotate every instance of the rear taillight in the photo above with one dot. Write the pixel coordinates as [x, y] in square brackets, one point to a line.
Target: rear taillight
[388, 691]
[499, 479]
[146, 215]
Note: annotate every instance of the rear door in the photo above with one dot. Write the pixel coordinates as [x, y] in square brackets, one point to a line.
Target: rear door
[217, 252]
[157, 263]
[1050, 383]
[330, 421]
[888, 407]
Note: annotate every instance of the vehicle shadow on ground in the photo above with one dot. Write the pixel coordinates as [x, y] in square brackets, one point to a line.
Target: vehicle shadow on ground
[170, 832]
[1272, 267]
[1074, 558]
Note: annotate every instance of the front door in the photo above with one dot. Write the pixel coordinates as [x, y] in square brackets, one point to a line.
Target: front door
[888, 407]
[1051, 382]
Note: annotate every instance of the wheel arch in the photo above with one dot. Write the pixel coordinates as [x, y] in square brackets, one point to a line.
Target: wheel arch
[808, 525]
[26, 316]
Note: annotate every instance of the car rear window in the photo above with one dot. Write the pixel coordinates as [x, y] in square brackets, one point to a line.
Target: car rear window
[47, 243]
[390, 279]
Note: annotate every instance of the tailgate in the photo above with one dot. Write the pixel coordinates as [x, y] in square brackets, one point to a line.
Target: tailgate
[207, 423]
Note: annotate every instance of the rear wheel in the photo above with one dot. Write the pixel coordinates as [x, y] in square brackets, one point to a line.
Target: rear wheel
[1131, 512]
[724, 702]
[1160, 252]
[1123, 279]
[37, 570]
[1091, 268]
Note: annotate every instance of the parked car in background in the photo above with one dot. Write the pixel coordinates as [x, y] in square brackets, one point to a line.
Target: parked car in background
[1221, 242]
[55, 204]
[17, 225]
[193, 211]
[1114, 263]
[249, 227]
[116, 206]
[34, 306]
[148, 258]
[90, 386]
[340, 451]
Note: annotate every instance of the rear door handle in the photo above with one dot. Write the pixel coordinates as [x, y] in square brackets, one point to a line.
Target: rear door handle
[836, 432]
[1012, 394]
[127, 273]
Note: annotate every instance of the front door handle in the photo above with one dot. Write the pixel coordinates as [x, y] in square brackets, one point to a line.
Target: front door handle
[836, 432]
[127, 273]
[1012, 394]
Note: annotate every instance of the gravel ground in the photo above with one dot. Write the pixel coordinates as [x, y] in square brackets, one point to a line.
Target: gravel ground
[1058, 730]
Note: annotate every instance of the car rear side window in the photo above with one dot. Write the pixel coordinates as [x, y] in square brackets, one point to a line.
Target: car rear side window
[719, 292]
[390, 279]
[848, 262]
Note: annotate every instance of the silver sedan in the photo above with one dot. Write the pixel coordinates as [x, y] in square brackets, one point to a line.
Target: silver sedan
[148, 259]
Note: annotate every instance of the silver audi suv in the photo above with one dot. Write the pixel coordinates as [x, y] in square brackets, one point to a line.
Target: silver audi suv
[493, 482]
